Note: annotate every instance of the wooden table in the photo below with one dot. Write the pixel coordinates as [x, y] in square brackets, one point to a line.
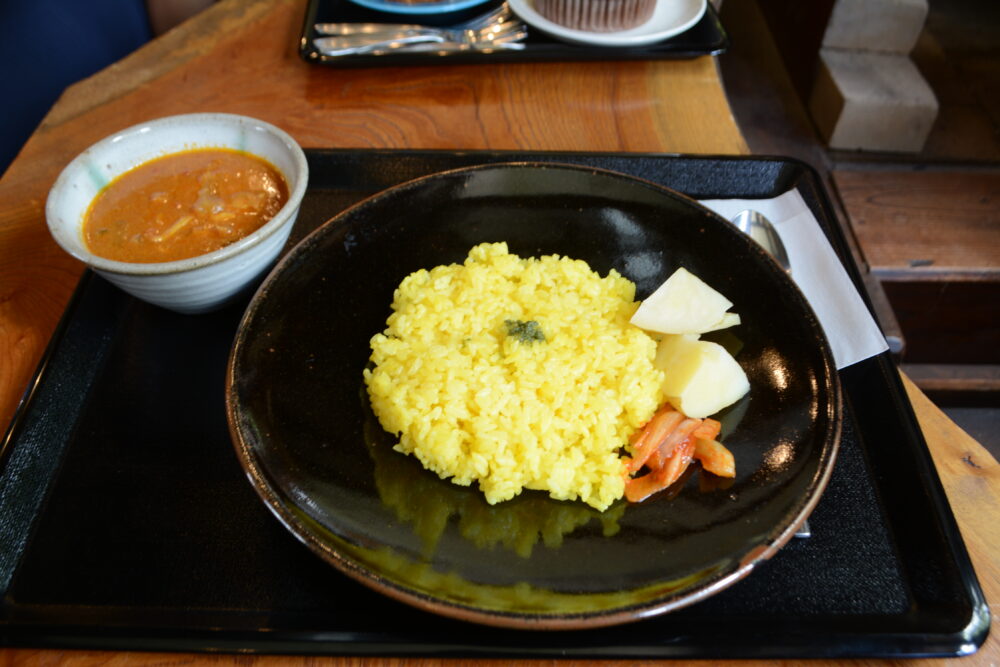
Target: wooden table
[240, 57]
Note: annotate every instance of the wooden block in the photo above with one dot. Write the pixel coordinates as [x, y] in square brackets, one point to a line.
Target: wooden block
[954, 378]
[797, 29]
[876, 25]
[947, 322]
[967, 85]
[941, 225]
[932, 238]
[862, 100]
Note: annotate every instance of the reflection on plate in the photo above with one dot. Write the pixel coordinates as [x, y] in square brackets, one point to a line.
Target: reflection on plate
[671, 17]
[304, 434]
[409, 7]
[520, 525]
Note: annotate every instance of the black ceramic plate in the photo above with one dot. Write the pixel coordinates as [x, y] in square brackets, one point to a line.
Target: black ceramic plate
[316, 455]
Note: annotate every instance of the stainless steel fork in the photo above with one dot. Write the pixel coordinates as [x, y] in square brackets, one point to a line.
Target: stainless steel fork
[366, 43]
[497, 29]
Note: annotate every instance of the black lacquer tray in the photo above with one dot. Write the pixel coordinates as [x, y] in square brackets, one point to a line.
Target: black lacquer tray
[127, 523]
[706, 37]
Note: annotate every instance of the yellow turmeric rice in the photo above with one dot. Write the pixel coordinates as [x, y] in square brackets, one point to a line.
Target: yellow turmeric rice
[516, 373]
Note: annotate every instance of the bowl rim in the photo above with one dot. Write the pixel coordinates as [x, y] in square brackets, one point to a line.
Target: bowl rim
[284, 215]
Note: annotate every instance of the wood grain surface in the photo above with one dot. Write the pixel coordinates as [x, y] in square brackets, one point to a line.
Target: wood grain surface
[240, 57]
[925, 225]
[932, 237]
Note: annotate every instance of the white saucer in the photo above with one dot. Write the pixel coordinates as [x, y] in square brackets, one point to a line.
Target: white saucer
[671, 17]
[439, 7]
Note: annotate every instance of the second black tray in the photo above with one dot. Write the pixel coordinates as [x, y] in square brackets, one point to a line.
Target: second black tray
[127, 523]
[707, 37]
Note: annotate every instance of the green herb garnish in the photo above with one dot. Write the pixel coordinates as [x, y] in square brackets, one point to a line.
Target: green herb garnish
[525, 332]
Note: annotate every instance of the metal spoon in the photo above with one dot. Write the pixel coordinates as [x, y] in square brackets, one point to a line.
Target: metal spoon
[759, 228]
[756, 226]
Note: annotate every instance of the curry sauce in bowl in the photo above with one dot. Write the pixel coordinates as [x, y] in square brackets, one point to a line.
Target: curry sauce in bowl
[183, 205]
[184, 212]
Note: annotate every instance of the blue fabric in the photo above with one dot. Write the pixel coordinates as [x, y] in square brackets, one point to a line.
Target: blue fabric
[46, 45]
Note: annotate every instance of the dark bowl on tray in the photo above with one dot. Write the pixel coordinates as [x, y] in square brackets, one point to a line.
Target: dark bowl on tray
[316, 455]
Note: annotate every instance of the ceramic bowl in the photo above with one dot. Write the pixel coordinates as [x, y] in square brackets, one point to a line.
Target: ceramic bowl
[200, 283]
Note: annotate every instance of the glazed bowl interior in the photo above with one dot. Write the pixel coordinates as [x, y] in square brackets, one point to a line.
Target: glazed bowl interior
[317, 456]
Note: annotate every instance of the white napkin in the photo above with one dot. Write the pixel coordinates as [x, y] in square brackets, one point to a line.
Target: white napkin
[846, 320]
